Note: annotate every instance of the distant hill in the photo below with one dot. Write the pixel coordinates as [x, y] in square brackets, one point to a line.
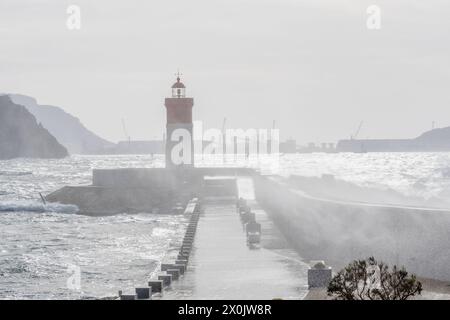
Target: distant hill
[436, 137]
[436, 140]
[21, 135]
[68, 129]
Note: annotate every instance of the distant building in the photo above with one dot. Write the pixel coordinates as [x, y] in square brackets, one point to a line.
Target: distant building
[140, 147]
[289, 146]
[324, 147]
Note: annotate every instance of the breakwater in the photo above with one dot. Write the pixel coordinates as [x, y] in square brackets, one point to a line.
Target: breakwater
[340, 231]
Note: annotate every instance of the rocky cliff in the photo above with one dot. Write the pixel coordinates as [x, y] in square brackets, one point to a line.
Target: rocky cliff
[22, 136]
[68, 129]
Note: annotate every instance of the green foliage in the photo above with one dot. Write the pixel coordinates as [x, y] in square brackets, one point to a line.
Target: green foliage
[372, 280]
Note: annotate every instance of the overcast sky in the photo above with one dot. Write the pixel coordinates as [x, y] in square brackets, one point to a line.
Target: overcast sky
[311, 65]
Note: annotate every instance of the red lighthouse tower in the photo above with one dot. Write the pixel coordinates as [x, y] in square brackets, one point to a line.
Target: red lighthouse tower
[179, 140]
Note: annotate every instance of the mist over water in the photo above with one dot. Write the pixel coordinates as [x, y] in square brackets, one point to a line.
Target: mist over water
[39, 242]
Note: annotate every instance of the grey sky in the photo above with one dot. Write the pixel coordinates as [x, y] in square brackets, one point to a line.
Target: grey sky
[313, 66]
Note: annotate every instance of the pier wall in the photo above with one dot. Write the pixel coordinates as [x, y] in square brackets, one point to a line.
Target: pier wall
[150, 190]
[340, 232]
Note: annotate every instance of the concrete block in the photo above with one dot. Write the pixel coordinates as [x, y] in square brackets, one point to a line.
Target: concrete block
[143, 293]
[175, 273]
[319, 275]
[156, 285]
[166, 279]
[181, 261]
[179, 267]
[128, 297]
[183, 257]
[165, 266]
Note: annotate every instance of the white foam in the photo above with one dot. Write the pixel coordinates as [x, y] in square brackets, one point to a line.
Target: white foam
[36, 206]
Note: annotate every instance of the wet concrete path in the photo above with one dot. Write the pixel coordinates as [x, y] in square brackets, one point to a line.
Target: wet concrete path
[222, 266]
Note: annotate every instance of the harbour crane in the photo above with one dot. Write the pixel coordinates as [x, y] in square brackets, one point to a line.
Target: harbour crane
[355, 135]
[127, 137]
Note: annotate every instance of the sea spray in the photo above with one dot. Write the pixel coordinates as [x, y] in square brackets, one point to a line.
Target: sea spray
[36, 206]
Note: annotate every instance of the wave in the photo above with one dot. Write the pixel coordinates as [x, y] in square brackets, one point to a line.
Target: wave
[15, 173]
[36, 206]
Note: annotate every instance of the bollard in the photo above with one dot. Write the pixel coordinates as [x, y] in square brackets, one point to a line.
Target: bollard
[175, 273]
[156, 285]
[166, 266]
[319, 275]
[166, 279]
[128, 297]
[143, 293]
[179, 267]
[182, 261]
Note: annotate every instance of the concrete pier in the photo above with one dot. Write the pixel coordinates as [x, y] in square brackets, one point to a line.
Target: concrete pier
[222, 266]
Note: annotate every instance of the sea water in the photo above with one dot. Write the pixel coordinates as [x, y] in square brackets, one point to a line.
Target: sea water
[48, 251]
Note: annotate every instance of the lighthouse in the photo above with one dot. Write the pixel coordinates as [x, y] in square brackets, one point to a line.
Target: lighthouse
[179, 140]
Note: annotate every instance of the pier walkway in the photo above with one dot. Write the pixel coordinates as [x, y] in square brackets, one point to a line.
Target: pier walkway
[222, 266]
